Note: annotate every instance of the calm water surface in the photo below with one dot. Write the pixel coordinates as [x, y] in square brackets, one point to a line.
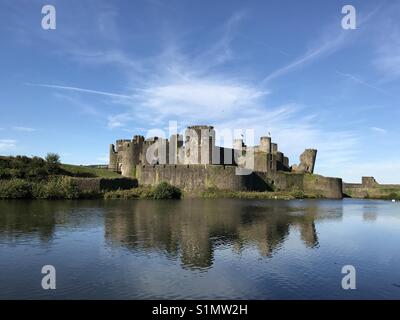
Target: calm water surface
[196, 248]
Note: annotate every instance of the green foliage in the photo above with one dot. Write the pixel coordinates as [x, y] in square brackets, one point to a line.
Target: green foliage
[15, 189]
[166, 191]
[88, 172]
[37, 169]
[53, 158]
[22, 167]
[53, 163]
[135, 193]
[262, 195]
[161, 191]
[54, 188]
[393, 196]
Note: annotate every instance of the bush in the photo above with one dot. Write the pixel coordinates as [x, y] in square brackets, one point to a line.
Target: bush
[134, 193]
[15, 189]
[166, 191]
[392, 196]
[53, 163]
[57, 188]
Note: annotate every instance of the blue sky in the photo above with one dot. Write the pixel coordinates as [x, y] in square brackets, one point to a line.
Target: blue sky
[113, 69]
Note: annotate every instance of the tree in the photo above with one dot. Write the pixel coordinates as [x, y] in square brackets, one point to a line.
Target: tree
[53, 162]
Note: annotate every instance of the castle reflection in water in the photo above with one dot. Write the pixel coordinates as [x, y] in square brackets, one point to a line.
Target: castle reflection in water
[189, 230]
[194, 232]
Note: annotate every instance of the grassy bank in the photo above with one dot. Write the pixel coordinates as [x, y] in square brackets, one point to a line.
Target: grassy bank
[35, 168]
[161, 191]
[88, 172]
[377, 193]
[51, 188]
[282, 195]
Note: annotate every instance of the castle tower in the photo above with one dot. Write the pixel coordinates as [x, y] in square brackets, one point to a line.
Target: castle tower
[265, 144]
[112, 164]
[126, 158]
[274, 148]
[199, 144]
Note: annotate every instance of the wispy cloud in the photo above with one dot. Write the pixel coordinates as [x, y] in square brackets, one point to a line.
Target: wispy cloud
[24, 129]
[360, 81]
[195, 87]
[330, 42]
[378, 130]
[325, 48]
[385, 37]
[7, 144]
[82, 90]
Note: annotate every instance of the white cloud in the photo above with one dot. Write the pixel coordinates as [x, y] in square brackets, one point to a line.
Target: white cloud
[6, 144]
[378, 130]
[24, 129]
[197, 89]
[103, 93]
[387, 44]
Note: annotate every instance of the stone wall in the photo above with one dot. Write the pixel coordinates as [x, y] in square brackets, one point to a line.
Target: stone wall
[370, 188]
[192, 177]
[103, 184]
[199, 177]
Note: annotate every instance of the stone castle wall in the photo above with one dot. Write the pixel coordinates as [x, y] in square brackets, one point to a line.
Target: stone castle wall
[370, 188]
[199, 177]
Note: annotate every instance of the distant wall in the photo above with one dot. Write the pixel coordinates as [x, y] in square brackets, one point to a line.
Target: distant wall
[199, 177]
[370, 188]
[308, 183]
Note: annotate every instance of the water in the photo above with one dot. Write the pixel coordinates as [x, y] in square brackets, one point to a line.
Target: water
[196, 248]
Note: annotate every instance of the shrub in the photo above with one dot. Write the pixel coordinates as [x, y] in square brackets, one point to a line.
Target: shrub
[61, 188]
[166, 191]
[56, 188]
[15, 189]
[134, 193]
[393, 195]
[53, 163]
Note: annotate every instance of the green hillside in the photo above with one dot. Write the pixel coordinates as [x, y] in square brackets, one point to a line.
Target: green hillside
[88, 171]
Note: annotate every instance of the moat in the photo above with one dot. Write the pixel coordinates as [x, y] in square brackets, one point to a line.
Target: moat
[200, 248]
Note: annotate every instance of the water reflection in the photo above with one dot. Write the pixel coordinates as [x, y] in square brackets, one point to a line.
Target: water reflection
[193, 229]
[189, 230]
[198, 248]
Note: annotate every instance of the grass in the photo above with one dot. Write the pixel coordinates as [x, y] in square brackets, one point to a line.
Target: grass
[88, 172]
[265, 195]
[161, 191]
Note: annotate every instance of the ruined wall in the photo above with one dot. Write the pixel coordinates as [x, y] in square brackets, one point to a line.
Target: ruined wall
[307, 162]
[199, 177]
[370, 188]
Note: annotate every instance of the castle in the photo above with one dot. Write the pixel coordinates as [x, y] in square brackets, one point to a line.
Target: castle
[198, 147]
[193, 162]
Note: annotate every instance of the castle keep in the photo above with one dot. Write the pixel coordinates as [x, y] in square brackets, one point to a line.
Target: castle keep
[194, 162]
